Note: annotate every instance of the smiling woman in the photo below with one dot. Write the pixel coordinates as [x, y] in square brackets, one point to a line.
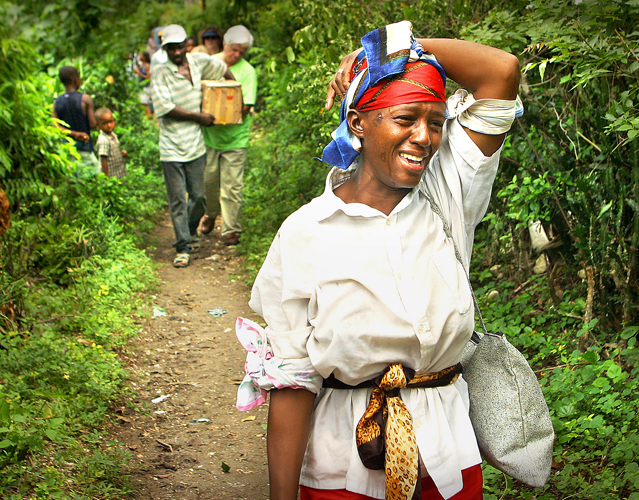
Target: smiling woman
[367, 306]
[397, 145]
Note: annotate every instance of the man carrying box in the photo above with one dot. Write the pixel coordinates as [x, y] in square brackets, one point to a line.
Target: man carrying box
[226, 145]
[177, 99]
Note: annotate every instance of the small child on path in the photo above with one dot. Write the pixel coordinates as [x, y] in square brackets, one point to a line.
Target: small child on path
[108, 146]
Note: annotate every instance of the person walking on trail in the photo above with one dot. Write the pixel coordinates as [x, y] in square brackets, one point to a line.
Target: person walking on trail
[112, 157]
[191, 43]
[142, 69]
[75, 109]
[367, 307]
[227, 145]
[158, 54]
[177, 98]
[210, 41]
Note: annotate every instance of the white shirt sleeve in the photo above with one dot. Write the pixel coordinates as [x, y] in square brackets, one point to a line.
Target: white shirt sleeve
[282, 305]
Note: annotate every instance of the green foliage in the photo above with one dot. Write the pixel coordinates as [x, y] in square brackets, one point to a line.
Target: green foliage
[62, 29]
[59, 370]
[30, 153]
[589, 393]
[91, 213]
[572, 162]
[71, 278]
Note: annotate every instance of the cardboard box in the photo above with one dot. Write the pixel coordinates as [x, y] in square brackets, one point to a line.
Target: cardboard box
[223, 99]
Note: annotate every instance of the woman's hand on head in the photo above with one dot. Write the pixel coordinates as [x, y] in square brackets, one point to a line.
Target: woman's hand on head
[341, 81]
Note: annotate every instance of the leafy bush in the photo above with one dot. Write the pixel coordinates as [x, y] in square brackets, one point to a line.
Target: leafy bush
[32, 152]
[71, 277]
[588, 393]
[572, 161]
[59, 370]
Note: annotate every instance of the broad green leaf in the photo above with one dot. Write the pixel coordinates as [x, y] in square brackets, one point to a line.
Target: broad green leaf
[604, 209]
[290, 54]
[47, 413]
[56, 422]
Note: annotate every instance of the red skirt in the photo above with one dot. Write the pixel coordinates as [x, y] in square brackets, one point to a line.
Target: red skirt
[472, 489]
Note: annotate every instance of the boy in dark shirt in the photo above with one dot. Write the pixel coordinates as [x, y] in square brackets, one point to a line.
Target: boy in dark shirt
[75, 109]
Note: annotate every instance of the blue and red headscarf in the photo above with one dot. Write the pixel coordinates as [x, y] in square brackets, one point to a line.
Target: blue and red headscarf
[392, 69]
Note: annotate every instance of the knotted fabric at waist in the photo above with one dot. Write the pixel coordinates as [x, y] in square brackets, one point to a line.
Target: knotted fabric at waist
[385, 435]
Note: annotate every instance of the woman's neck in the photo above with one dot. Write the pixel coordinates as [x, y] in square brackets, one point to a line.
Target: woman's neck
[363, 188]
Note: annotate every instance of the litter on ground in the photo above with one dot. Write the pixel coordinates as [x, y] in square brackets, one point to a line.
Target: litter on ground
[217, 312]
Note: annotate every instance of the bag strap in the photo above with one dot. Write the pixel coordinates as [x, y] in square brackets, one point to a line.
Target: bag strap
[449, 234]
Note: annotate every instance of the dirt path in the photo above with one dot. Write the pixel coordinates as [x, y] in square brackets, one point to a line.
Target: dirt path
[182, 445]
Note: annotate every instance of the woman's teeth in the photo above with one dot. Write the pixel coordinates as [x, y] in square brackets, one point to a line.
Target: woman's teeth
[412, 158]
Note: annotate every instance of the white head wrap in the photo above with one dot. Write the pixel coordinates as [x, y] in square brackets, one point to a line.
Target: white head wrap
[239, 35]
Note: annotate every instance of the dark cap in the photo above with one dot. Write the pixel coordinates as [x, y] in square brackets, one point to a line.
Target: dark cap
[210, 34]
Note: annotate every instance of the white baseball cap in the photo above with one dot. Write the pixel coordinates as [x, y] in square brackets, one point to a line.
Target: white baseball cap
[173, 33]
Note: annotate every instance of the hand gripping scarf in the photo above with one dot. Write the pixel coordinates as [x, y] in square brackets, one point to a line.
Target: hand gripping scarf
[392, 69]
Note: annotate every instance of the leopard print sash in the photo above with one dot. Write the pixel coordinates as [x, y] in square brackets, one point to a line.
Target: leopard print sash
[385, 435]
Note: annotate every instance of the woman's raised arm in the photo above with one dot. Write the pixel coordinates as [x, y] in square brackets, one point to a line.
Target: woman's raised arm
[487, 72]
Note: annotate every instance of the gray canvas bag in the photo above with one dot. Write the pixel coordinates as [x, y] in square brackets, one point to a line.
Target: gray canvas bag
[507, 407]
[508, 410]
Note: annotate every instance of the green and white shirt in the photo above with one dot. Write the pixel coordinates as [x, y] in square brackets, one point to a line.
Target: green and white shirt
[182, 140]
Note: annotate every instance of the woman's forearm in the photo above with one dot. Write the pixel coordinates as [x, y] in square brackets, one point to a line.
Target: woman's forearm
[485, 71]
[289, 419]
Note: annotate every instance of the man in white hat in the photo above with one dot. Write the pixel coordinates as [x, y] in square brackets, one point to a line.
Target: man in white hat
[227, 145]
[177, 99]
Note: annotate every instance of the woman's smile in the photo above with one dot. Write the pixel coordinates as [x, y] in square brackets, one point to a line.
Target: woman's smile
[399, 141]
[416, 163]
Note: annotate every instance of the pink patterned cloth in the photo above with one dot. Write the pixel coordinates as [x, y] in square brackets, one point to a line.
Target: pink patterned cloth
[264, 371]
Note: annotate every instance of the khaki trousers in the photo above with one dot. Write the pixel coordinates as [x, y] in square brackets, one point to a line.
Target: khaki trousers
[223, 183]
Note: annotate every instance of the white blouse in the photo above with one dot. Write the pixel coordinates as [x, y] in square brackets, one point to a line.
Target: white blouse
[354, 290]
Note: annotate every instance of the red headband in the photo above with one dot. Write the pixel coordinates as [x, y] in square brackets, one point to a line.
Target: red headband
[420, 81]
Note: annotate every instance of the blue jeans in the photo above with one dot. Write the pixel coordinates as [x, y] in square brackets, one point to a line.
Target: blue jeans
[182, 178]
